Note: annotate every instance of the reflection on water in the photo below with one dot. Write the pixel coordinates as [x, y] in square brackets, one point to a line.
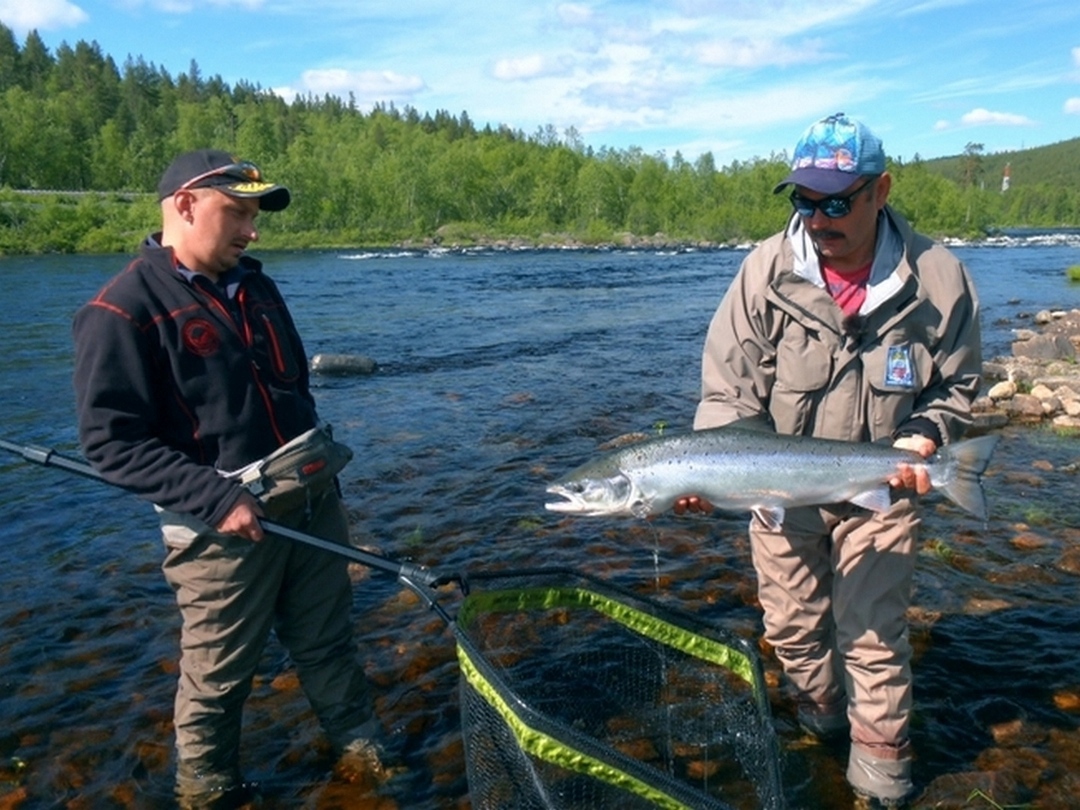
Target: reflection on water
[497, 373]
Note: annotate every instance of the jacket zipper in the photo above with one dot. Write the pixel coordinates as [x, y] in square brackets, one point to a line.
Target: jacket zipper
[241, 299]
[275, 344]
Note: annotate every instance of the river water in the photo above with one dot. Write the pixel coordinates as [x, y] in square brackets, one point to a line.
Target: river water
[498, 371]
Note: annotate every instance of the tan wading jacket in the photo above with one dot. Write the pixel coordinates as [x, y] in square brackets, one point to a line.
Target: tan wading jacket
[778, 345]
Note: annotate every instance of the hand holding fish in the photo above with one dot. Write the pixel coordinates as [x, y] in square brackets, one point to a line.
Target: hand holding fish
[692, 503]
[913, 476]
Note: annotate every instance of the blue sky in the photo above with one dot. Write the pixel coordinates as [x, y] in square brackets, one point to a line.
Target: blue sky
[738, 78]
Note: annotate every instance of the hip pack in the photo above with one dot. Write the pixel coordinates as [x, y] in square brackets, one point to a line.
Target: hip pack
[287, 478]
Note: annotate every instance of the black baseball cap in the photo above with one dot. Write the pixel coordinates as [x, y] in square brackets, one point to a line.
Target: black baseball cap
[213, 168]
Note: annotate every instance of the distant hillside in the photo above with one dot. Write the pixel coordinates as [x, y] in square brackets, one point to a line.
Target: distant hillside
[1057, 164]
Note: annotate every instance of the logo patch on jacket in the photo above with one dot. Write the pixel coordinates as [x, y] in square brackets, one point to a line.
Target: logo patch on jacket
[200, 337]
[899, 370]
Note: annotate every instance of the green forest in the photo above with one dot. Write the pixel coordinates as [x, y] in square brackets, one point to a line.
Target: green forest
[83, 142]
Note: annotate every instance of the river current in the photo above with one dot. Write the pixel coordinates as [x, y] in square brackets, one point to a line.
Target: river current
[498, 370]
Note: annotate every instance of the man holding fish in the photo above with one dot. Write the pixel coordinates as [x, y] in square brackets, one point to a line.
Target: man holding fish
[847, 349]
[847, 325]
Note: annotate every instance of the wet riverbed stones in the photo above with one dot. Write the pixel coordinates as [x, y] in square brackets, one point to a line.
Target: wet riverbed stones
[1040, 381]
[1029, 766]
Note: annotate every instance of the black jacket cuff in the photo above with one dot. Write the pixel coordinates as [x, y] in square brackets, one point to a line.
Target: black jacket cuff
[919, 426]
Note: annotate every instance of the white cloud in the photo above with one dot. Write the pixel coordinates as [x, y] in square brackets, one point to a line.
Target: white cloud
[931, 6]
[626, 96]
[1014, 81]
[188, 6]
[1076, 56]
[1072, 106]
[980, 116]
[758, 122]
[626, 55]
[942, 125]
[664, 26]
[772, 19]
[533, 66]
[22, 16]
[574, 14]
[755, 53]
[367, 86]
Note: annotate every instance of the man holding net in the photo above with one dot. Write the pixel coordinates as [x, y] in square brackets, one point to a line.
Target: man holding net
[188, 366]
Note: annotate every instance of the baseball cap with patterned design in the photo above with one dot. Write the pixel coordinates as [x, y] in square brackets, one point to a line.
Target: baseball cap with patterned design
[832, 154]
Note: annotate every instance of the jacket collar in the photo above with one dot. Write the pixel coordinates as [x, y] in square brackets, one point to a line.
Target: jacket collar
[884, 281]
[152, 248]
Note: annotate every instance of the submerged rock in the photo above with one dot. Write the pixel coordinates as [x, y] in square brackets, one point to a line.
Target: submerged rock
[1069, 562]
[956, 791]
[343, 364]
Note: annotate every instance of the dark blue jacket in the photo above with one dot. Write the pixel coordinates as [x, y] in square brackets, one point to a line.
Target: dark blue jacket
[171, 387]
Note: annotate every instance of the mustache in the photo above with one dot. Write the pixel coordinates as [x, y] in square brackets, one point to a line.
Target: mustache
[827, 235]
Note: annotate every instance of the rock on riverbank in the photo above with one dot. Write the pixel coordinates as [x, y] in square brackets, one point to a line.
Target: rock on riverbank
[1040, 381]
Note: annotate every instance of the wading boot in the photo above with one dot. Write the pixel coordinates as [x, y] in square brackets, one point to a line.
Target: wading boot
[879, 782]
[213, 790]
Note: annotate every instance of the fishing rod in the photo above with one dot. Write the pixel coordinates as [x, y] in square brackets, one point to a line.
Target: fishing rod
[416, 577]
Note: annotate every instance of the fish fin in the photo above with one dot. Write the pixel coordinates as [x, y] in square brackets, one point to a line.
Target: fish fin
[967, 460]
[878, 499]
[771, 516]
[759, 422]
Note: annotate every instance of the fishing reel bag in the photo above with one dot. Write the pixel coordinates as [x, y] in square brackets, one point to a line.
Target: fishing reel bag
[286, 479]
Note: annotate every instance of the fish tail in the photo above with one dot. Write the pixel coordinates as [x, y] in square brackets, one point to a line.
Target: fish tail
[964, 464]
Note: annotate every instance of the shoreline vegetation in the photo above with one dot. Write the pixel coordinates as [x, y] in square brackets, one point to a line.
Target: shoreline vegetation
[38, 222]
[83, 142]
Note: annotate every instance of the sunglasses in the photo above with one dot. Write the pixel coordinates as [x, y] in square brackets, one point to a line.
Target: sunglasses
[834, 207]
[244, 170]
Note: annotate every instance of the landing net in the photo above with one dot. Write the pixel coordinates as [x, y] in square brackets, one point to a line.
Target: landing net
[578, 694]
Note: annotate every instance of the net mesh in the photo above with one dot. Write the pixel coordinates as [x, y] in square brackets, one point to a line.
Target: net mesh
[578, 694]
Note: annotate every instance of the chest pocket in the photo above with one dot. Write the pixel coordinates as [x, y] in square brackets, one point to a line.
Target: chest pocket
[896, 374]
[804, 367]
[272, 342]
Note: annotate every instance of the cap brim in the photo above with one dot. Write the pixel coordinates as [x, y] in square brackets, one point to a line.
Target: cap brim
[823, 181]
[272, 197]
